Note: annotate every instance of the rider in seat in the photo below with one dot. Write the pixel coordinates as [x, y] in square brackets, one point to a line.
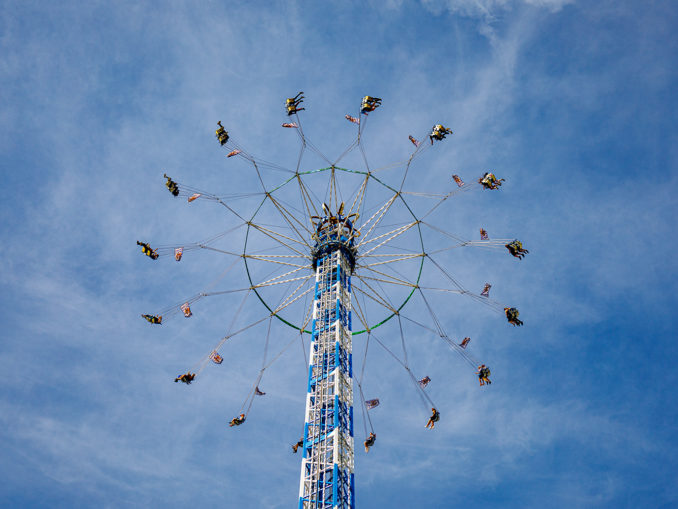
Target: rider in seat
[515, 247]
[512, 316]
[296, 446]
[186, 378]
[146, 249]
[292, 104]
[237, 421]
[483, 374]
[369, 104]
[439, 132]
[435, 417]
[489, 181]
[155, 319]
[222, 134]
[370, 442]
[171, 185]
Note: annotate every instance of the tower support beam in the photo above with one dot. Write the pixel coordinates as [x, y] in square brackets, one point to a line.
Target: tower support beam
[327, 480]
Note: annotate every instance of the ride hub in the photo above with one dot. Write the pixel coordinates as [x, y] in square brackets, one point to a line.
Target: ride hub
[334, 233]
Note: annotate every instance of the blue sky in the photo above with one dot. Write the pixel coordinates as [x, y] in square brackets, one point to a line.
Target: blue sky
[573, 103]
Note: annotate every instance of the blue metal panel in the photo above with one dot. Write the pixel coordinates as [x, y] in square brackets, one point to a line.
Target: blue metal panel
[352, 491]
[339, 356]
[350, 410]
[335, 488]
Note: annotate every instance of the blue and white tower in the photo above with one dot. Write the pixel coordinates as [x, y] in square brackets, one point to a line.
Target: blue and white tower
[327, 467]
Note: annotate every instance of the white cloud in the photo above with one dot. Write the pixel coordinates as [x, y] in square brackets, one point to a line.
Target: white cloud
[489, 9]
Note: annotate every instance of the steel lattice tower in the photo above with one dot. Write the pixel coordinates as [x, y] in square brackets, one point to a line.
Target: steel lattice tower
[327, 480]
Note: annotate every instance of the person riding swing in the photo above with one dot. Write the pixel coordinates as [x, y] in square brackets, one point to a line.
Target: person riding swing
[292, 104]
[296, 446]
[483, 375]
[186, 378]
[237, 421]
[222, 134]
[435, 417]
[147, 250]
[370, 442]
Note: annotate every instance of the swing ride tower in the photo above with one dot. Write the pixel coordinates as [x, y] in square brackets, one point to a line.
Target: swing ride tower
[327, 480]
[323, 270]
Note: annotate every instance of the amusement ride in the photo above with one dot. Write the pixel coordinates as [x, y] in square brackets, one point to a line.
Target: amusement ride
[335, 252]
